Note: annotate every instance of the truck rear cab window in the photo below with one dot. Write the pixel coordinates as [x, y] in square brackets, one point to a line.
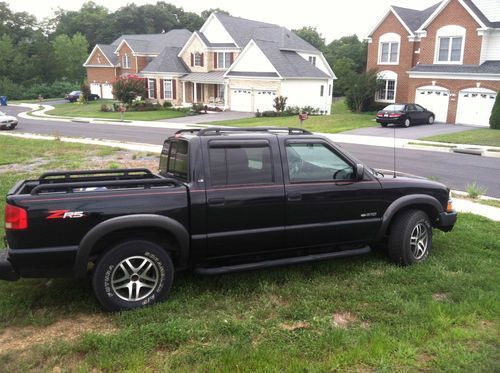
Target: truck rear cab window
[235, 164]
[309, 162]
[174, 159]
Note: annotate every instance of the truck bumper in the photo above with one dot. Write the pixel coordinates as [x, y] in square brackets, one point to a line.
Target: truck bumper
[6, 270]
[447, 220]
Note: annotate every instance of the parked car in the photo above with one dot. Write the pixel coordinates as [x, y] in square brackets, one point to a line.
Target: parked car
[7, 122]
[405, 114]
[75, 96]
[225, 200]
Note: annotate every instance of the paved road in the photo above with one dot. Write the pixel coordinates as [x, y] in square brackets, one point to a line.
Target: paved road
[455, 170]
[413, 132]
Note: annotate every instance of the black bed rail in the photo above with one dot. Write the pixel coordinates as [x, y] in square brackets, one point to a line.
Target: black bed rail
[64, 176]
[69, 187]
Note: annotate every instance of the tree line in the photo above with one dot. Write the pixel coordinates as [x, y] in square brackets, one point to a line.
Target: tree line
[45, 57]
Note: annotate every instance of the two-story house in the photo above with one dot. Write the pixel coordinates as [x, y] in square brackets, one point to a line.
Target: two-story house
[231, 63]
[445, 58]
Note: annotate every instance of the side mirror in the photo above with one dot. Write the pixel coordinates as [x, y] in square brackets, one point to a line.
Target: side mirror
[360, 171]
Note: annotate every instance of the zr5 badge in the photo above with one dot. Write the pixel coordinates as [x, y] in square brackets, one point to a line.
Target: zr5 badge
[65, 214]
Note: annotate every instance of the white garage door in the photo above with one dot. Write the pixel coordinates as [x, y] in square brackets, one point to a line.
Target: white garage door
[95, 88]
[241, 99]
[107, 91]
[474, 106]
[263, 100]
[435, 99]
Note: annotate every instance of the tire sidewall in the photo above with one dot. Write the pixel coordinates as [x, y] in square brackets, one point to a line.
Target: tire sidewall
[104, 269]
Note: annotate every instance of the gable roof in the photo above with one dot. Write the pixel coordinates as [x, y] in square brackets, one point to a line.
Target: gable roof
[167, 61]
[487, 20]
[414, 18]
[243, 30]
[154, 43]
[107, 51]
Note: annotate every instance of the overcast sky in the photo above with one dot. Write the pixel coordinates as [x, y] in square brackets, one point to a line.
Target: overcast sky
[333, 18]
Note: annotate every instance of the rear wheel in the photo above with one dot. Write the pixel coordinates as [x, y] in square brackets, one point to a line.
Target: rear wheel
[133, 274]
[410, 238]
[407, 122]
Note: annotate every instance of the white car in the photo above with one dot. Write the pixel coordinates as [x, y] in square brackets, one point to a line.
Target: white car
[7, 122]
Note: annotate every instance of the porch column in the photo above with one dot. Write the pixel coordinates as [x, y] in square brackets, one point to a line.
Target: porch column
[226, 91]
[183, 93]
[195, 93]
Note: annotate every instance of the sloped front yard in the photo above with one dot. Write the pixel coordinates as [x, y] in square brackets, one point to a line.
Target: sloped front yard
[482, 136]
[356, 314]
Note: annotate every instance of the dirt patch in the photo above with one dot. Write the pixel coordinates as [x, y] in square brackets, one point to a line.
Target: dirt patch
[125, 159]
[295, 326]
[23, 167]
[22, 338]
[344, 320]
[440, 297]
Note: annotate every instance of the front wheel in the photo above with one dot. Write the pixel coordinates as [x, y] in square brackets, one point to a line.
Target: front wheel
[133, 274]
[431, 119]
[410, 238]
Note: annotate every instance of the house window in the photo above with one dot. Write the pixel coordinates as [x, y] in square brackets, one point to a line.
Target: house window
[220, 91]
[223, 60]
[151, 88]
[450, 41]
[167, 89]
[329, 90]
[387, 91]
[322, 90]
[388, 49]
[450, 49]
[312, 60]
[126, 61]
[197, 59]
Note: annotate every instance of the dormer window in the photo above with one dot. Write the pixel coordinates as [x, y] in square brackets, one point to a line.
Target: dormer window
[450, 44]
[125, 61]
[98, 58]
[312, 60]
[198, 59]
[388, 49]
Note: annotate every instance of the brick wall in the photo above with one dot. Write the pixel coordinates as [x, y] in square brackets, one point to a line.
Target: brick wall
[101, 74]
[453, 14]
[406, 54]
[132, 61]
[455, 86]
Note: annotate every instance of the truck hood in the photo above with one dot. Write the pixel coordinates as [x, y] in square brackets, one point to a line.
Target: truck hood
[390, 174]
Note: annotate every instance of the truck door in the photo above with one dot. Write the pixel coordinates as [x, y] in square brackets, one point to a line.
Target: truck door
[245, 197]
[325, 204]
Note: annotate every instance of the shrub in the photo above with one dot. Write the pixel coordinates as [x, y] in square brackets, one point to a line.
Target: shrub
[85, 89]
[24, 92]
[280, 103]
[310, 110]
[106, 108]
[167, 104]
[292, 110]
[258, 114]
[474, 190]
[495, 114]
[270, 113]
[128, 88]
[198, 108]
[361, 91]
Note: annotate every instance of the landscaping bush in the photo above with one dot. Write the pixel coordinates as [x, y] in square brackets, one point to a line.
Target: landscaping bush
[142, 105]
[280, 103]
[167, 104]
[361, 91]
[19, 92]
[270, 113]
[128, 88]
[85, 89]
[495, 114]
[199, 108]
[310, 110]
[293, 110]
[106, 108]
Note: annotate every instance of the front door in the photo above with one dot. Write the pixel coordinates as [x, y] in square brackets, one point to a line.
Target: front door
[325, 204]
[199, 92]
[245, 197]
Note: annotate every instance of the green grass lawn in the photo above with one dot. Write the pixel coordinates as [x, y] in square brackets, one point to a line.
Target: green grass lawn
[93, 110]
[34, 100]
[349, 315]
[340, 120]
[482, 136]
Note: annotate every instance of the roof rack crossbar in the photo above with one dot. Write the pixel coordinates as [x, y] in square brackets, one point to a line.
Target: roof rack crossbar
[188, 130]
[218, 130]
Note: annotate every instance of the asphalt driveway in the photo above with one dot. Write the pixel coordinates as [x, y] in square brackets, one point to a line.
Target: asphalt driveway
[412, 132]
[211, 117]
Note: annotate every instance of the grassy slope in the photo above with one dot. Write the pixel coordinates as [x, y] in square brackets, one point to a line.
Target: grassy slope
[340, 120]
[441, 315]
[483, 136]
[93, 110]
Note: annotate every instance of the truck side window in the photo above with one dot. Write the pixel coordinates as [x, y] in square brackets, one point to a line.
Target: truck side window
[316, 162]
[177, 163]
[236, 165]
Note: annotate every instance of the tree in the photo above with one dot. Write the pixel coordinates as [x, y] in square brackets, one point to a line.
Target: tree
[348, 47]
[495, 113]
[312, 36]
[128, 88]
[280, 103]
[70, 53]
[85, 89]
[206, 13]
[361, 91]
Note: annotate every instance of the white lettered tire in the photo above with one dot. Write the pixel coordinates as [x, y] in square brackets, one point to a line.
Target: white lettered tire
[133, 274]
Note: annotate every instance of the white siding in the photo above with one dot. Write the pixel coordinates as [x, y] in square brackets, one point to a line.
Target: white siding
[307, 93]
[215, 32]
[490, 8]
[320, 64]
[490, 48]
[253, 59]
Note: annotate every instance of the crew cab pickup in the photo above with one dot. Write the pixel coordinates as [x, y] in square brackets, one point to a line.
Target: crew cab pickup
[224, 200]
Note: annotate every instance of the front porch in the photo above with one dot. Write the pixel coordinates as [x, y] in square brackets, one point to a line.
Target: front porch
[206, 89]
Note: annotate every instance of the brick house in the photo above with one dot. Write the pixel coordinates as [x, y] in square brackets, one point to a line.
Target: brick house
[445, 58]
[231, 63]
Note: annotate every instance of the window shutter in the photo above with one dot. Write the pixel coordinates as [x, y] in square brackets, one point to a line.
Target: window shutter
[201, 59]
[174, 89]
[231, 58]
[215, 60]
[146, 84]
[154, 87]
[162, 87]
[215, 90]
[192, 59]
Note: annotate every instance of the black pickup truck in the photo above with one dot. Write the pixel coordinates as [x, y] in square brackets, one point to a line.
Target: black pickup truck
[224, 200]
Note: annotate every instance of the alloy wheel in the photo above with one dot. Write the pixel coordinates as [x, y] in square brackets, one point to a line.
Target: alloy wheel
[419, 241]
[135, 278]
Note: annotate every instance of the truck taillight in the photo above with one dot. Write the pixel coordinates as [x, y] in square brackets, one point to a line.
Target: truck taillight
[16, 218]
